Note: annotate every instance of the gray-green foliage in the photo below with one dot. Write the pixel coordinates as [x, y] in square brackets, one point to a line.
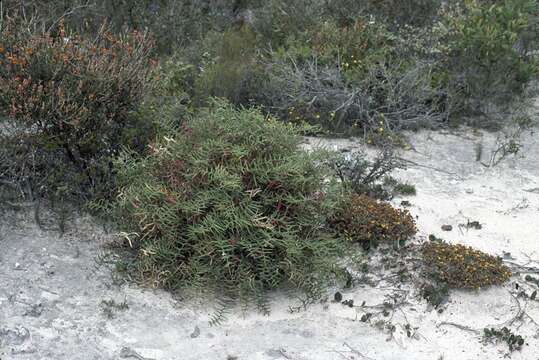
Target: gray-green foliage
[229, 203]
[340, 64]
[174, 23]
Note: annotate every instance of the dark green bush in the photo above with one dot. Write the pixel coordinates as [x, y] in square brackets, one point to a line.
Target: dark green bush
[486, 53]
[514, 341]
[229, 203]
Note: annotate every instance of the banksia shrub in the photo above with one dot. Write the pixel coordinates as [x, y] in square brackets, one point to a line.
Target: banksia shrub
[74, 96]
[463, 267]
[367, 221]
[229, 203]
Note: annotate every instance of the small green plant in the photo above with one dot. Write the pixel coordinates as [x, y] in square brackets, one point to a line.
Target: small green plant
[514, 341]
[369, 222]
[435, 293]
[463, 267]
[110, 307]
[404, 189]
[229, 203]
[361, 176]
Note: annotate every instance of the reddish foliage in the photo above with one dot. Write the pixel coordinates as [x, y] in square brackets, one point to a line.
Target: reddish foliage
[76, 92]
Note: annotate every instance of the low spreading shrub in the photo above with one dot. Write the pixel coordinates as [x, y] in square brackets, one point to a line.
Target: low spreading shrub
[369, 222]
[513, 341]
[435, 293]
[229, 203]
[463, 267]
[71, 99]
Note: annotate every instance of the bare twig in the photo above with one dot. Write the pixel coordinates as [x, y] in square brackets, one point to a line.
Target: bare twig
[67, 13]
[458, 326]
[429, 167]
[356, 352]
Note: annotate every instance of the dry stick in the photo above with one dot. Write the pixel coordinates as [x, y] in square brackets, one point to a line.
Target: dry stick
[354, 351]
[522, 267]
[461, 327]
[429, 167]
[282, 352]
[521, 313]
[67, 13]
[340, 353]
[530, 260]
[126, 352]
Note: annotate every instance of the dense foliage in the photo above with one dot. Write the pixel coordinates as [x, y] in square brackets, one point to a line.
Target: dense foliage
[370, 222]
[71, 100]
[486, 49]
[229, 202]
[342, 64]
[463, 267]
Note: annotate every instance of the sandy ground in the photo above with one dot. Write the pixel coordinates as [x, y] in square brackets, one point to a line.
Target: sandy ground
[52, 287]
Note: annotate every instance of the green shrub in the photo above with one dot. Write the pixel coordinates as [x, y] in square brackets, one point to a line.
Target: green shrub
[486, 57]
[396, 12]
[71, 99]
[233, 71]
[400, 188]
[463, 267]
[514, 341]
[369, 222]
[355, 46]
[277, 20]
[371, 178]
[229, 203]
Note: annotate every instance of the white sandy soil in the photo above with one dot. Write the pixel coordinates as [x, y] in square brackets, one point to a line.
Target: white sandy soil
[51, 287]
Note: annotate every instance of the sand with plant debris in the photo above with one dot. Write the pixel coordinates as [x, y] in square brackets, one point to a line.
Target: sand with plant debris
[52, 287]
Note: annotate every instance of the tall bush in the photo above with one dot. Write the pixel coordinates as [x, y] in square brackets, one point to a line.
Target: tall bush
[74, 96]
[487, 57]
